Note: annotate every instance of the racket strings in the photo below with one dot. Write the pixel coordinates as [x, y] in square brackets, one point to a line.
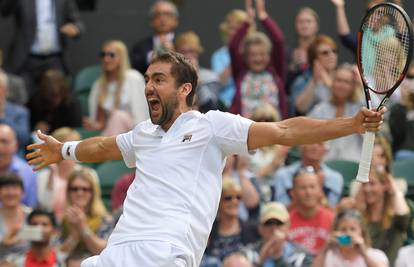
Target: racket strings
[385, 48]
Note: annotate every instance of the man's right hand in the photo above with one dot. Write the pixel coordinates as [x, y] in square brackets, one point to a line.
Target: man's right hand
[46, 153]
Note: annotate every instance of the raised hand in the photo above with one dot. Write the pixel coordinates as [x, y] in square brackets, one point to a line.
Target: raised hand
[338, 3]
[45, 153]
[261, 9]
[250, 10]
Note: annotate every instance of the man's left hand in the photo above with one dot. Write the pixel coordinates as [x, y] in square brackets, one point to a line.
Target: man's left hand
[70, 30]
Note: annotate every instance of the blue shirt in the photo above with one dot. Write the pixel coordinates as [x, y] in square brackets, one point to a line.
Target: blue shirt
[283, 182]
[17, 117]
[220, 60]
[23, 169]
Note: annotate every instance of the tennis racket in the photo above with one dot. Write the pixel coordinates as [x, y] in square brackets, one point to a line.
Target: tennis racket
[385, 41]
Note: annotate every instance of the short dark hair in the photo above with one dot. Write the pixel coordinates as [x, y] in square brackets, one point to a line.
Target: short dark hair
[42, 212]
[10, 178]
[182, 70]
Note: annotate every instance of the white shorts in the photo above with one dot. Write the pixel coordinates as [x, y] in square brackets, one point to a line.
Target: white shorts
[139, 253]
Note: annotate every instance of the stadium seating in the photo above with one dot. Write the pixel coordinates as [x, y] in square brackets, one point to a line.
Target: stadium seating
[405, 169]
[348, 169]
[83, 84]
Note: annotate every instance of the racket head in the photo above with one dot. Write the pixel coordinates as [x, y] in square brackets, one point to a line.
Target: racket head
[384, 51]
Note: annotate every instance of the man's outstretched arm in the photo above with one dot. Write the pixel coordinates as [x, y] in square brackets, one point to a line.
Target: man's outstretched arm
[95, 149]
[304, 130]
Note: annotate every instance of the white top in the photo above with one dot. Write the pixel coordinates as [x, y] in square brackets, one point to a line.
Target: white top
[405, 257]
[46, 39]
[177, 187]
[335, 259]
[133, 98]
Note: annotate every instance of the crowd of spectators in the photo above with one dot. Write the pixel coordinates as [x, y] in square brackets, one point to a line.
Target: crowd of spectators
[281, 206]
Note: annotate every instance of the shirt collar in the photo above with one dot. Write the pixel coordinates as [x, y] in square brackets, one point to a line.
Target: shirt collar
[159, 131]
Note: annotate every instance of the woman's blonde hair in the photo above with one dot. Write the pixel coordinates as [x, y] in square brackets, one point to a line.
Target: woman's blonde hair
[237, 15]
[230, 185]
[191, 38]
[388, 208]
[256, 38]
[122, 53]
[96, 207]
[64, 134]
[266, 112]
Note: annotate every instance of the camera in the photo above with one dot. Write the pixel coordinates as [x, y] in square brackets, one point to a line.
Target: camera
[344, 240]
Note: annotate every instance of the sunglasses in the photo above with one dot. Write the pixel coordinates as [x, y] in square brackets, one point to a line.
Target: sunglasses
[273, 222]
[80, 189]
[230, 198]
[409, 76]
[305, 169]
[327, 52]
[104, 54]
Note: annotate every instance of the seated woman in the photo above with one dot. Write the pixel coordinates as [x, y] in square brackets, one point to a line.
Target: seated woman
[86, 224]
[313, 85]
[344, 101]
[55, 105]
[349, 244]
[117, 101]
[229, 233]
[52, 181]
[12, 216]
[259, 66]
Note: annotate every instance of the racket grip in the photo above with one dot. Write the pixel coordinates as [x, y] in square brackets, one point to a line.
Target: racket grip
[366, 156]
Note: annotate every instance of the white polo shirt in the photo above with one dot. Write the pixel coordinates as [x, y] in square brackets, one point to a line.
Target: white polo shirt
[176, 191]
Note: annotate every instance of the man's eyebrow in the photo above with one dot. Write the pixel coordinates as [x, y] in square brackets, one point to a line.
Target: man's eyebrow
[155, 74]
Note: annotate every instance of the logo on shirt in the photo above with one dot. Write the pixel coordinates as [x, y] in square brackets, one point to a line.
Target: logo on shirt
[68, 151]
[187, 137]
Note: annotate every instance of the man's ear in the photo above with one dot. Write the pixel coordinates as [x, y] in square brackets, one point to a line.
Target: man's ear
[186, 89]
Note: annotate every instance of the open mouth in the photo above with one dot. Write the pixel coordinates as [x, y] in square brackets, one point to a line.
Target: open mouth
[154, 104]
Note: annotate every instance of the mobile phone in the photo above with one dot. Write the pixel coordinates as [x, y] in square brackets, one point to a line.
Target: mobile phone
[344, 240]
[31, 233]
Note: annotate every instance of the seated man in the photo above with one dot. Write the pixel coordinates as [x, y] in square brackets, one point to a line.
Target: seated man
[274, 249]
[311, 155]
[310, 221]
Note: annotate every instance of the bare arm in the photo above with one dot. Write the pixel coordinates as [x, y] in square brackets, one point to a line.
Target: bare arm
[305, 98]
[302, 130]
[342, 25]
[95, 149]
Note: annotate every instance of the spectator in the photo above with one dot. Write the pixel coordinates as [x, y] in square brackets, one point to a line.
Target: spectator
[52, 182]
[385, 211]
[119, 191]
[349, 244]
[164, 20]
[12, 216]
[310, 222]
[220, 60]
[236, 260]
[55, 105]
[208, 86]
[18, 92]
[10, 161]
[229, 233]
[306, 28]
[265, 161]
[75, 259]
[236, 170]
[274, 248]
[42, 252]
[401, 120]
[405, 256]
[15, 115]
[311, 155]
[41, 34]
[260, 69]
[117, 100]
[345, 101]
[312, 86]
[86, 225]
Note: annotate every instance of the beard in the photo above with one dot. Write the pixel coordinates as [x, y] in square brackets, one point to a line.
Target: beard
[168, 108]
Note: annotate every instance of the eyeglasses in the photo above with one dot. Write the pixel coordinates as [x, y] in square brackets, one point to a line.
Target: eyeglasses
[273, 222]
[327, 52]
[163, 14]
[409, 76]
[103, 54]
[80, 189]
[230, 198]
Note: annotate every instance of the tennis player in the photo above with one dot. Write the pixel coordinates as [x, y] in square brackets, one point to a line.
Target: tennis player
[179, 155]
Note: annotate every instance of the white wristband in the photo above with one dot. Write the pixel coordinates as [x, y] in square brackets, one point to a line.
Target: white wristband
[69, 150]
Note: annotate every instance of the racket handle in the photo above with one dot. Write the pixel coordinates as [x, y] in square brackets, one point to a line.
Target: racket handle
[366, 156]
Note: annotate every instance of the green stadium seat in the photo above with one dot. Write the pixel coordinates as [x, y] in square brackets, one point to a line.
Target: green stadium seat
[348, 169]
[108, 173]
[83, 84]
[405, 169]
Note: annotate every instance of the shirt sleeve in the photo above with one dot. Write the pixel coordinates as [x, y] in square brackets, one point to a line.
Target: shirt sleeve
[230, 132]
[125, 144]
